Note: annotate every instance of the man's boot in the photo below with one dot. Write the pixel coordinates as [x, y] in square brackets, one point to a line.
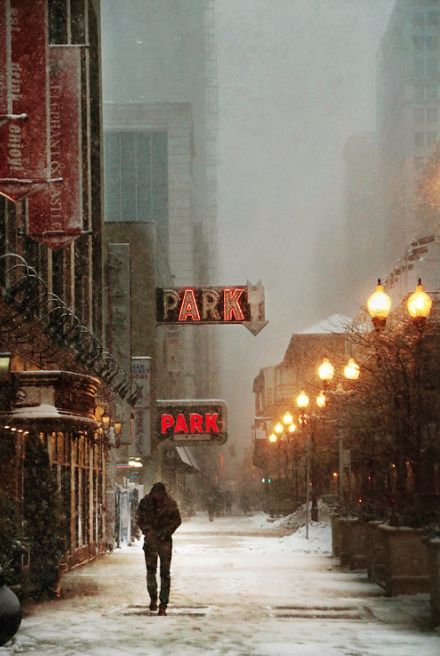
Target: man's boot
[153, 605]
[162, 609]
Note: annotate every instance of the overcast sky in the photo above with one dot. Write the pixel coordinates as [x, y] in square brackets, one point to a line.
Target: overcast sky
[296, 78]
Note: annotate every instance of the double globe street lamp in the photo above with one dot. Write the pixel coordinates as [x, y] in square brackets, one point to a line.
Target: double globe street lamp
[419, 305]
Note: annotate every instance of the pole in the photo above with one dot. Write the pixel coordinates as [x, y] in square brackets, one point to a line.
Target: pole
[308, 486]
[340, 462]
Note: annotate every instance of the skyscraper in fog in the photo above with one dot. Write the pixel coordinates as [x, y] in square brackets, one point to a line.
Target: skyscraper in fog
[408, 113]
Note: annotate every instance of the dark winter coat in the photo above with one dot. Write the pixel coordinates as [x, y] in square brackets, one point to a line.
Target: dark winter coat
[158, 518]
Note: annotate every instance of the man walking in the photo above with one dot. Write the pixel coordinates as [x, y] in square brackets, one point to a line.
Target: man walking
[158, 517]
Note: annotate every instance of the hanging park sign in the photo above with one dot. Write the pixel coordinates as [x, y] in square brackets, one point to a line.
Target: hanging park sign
[192, 422]
[234, 304]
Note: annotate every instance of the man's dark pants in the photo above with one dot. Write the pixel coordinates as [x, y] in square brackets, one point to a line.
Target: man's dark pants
[154, 548]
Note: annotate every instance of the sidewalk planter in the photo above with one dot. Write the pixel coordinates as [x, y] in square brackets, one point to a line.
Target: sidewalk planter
[345, 543]
[336, 535]
[433, 548]
[375, 551]
[405, 561]
[358, 546]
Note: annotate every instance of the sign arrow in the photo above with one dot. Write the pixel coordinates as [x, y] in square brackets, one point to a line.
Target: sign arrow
[256, 304]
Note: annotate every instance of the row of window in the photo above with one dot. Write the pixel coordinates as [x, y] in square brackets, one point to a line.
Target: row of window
[136, 176]
[422, 139]
[426, 67]
[426, 91]
[423, 19]
[425, 43]
[426, 114]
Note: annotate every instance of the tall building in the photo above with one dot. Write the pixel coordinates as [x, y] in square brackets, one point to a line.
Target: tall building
[363, 236]
[56, 368]
[160, 115]
[408, 105]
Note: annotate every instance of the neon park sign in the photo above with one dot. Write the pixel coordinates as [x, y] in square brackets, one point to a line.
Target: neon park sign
[235, 304]
[192, 421]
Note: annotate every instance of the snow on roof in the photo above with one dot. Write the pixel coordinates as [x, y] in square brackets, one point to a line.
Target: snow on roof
[334, 323]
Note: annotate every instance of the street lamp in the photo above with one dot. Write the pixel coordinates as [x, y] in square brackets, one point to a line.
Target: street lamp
[351, 372]
[302, 401]
[326, 371]
[419, 305]
[321, 400]
[379, 306]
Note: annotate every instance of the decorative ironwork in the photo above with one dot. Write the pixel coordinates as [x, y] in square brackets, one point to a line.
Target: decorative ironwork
[25, 291]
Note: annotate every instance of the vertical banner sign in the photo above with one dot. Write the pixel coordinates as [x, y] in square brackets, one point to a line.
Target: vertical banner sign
[3, 65]
[55, 214]
[119, 301]
[24, 158]
[141, 378]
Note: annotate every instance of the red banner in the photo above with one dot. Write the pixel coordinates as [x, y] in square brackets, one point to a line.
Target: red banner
[3, 64]
[55, 214]
[23, 97]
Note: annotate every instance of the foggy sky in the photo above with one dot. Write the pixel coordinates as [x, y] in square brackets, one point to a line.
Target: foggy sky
[296, 78]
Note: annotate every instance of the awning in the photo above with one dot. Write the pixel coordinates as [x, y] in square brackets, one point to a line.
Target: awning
[187, 457]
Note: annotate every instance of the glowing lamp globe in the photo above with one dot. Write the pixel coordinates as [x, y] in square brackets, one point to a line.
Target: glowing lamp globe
[351, 370]
[379, 306]
[278, 428]
[287, 419]
[321, 400]
[419, 304]
[326, 370]
[292, 428]
[302, 400]
[273, 438]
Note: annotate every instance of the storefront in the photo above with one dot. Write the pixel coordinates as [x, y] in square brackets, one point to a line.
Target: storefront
[58, 407]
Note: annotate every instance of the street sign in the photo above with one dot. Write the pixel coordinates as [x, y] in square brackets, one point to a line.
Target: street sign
[234, 304]
[192, 422]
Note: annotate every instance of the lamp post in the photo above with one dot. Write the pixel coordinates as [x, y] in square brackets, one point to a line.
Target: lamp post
[326, 372]
[283, 432]
[418, 306]
[302, 401]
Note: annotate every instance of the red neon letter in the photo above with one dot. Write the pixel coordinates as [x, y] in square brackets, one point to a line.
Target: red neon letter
[166, 421]
[195, 423]
[232, 306]
[181, 425]
[211, 423]
[189, 307]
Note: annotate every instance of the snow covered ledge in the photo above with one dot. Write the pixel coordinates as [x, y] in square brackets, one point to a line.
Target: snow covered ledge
[49, 399]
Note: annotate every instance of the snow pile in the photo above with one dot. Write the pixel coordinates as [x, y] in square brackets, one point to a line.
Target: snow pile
[319, 541]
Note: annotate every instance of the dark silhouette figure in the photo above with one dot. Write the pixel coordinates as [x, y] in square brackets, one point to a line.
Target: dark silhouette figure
[158, 517]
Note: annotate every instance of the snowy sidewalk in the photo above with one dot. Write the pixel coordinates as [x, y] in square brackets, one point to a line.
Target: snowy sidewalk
[238, 589]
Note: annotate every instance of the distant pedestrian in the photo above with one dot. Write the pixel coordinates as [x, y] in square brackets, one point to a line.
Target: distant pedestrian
[158, 517]
[211, 504]
[228, 502]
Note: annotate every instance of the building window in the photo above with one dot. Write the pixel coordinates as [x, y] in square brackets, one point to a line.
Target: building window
[419, 91]
[418, 164]
[431, 138]
[432, 114]
[432, 67]
[432, 18]
[419, 139]
[419, 114]
[431, 43]
[419, 68]
[136, 176]
[419, 20]
[419, 43]
[432, 91]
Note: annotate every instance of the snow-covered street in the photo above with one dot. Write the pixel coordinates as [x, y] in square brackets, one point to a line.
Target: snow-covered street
[240, 586]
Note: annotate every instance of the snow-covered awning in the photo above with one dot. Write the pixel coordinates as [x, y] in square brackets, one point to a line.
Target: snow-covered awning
[187, 457]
